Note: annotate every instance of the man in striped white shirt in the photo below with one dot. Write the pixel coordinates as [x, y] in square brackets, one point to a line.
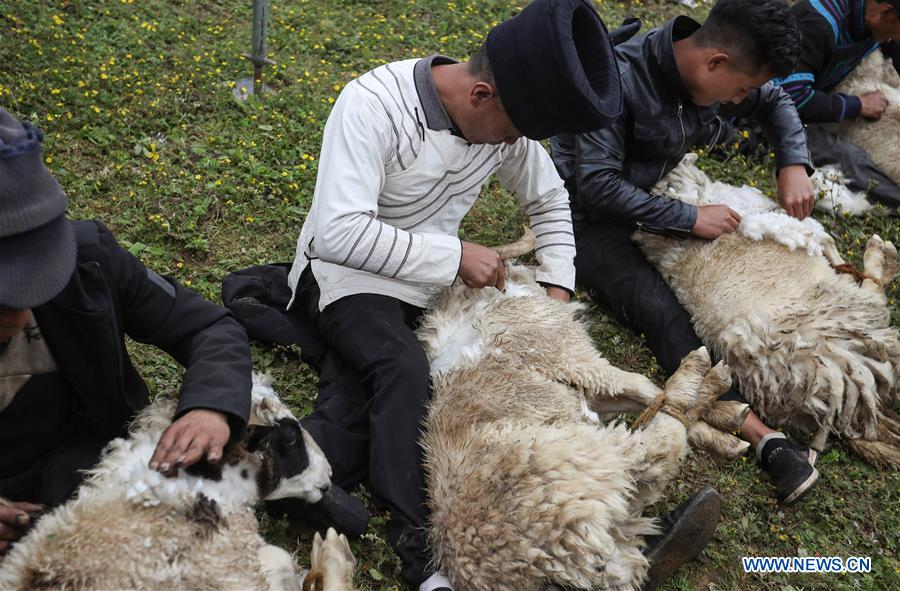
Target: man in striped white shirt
[406, 151]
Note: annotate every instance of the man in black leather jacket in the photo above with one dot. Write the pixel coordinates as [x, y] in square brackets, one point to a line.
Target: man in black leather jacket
[683, 85]
[68, 296]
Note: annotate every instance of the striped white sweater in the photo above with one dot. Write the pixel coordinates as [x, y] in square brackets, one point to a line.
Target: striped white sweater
[391, 193]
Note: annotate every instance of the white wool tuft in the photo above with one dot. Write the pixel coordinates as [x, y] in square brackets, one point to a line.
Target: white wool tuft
[834, 195]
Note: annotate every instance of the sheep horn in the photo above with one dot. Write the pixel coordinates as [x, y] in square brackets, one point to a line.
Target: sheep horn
[523, 245]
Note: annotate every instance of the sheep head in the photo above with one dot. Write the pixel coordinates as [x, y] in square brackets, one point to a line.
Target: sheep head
[292, 464]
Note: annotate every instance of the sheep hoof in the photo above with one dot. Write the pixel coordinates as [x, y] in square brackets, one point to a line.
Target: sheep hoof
[332, 562]
[880, 261]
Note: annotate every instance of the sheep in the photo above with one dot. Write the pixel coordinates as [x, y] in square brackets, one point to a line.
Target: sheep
[881, 138]
[810, 349]
[129, 527]
[526, 486]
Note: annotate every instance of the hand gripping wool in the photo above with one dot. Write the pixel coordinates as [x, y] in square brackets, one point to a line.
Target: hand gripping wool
[811, 349]
[131, 528]
[881, 138]
[526, 486]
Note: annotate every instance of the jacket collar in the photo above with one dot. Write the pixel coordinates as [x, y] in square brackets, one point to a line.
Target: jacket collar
[662, 51]
[436, 116]
[856, 21]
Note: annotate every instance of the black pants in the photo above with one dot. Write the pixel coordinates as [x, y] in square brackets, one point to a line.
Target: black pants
[373, 387]
[622, 279]
[52, 479]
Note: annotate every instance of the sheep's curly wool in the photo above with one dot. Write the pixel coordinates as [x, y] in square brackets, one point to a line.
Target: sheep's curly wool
[526, 486]
[810, 349]
[881, 138]
[130, 528]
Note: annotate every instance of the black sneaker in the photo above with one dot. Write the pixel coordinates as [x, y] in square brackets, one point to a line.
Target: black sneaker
[337, 509]
[791, 467]
[685, 533]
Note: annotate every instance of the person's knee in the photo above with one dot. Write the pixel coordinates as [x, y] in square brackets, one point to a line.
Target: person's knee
[407, 366]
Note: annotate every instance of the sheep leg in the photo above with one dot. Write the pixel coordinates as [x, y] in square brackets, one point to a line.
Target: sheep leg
[607, 388]
[880, 264]
[830, 250]
[700, 400]
[332, 562]
[278, 568]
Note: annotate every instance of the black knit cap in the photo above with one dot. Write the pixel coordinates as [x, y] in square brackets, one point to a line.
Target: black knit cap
[37, 244]
[555, 69]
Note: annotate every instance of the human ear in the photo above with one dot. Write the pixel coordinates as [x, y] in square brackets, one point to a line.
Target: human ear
[481, 92]
[716, 61]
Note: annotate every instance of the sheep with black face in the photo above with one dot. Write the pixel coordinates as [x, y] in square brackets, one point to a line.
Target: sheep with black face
[129, 527]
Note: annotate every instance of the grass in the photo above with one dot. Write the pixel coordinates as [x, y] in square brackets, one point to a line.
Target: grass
[142, 132]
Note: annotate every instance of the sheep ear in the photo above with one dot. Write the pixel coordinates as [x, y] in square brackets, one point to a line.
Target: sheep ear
[256, 436]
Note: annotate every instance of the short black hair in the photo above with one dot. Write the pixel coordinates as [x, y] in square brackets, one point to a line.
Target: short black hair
[895, 4]
[479, 65]
[760, 34]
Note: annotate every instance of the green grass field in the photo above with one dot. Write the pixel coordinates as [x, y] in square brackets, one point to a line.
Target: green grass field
[141, 130]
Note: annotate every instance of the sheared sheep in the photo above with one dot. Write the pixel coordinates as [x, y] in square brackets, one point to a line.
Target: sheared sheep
[881, 138]
[129, 527]
[526, 486]
[810, 349]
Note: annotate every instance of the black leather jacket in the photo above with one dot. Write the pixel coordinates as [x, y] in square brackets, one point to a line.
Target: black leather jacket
[609, 171]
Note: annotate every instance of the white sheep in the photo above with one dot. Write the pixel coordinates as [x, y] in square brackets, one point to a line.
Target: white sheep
[525, 485]
[881, 138]
[810, 349]
[129, 527]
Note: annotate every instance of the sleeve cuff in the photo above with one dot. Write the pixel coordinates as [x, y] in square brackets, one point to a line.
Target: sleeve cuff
[852, 106]
[805, 163]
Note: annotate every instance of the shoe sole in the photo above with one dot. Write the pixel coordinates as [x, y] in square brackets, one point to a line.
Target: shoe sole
[801, 490]
[687, 538]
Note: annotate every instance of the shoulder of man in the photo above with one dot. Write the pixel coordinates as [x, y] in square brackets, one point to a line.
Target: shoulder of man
[818, 21]
[96, 243]
[92, 240]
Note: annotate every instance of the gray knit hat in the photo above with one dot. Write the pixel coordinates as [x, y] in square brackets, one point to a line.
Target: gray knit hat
[37, 244]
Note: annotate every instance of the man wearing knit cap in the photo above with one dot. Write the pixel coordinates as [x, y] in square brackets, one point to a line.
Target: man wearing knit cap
[68, 296]
[406, 150]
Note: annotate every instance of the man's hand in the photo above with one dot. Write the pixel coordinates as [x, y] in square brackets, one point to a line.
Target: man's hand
[13, 521]
[715, 220]
[557, 293]
[199, 432]
[795, 191]
[873, 104]
[481, 267]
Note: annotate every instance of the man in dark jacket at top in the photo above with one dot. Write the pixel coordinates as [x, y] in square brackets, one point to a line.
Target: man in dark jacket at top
[677, 81]
[68, 296]
[837, 36]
